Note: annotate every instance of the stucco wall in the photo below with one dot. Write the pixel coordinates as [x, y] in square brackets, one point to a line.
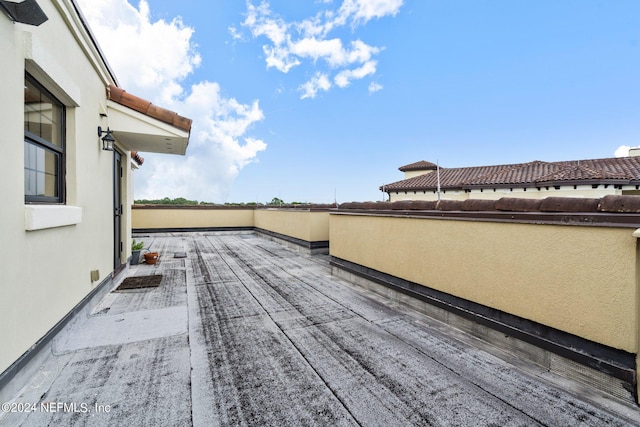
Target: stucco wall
[319, 226]
[302, 224]
[581, 191]
[578, 279]
[45, 273]
[411, 174]
[197, 217]
[305, 224]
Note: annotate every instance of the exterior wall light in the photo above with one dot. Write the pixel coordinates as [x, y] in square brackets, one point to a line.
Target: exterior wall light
[107, 140]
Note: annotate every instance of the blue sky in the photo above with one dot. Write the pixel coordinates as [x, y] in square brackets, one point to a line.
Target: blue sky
[307, 100]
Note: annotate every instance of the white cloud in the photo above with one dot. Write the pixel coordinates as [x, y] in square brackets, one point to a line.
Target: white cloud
[362, 11]
[152, 60]
[623, 150]
[344, 77]
[280, 58]
[235, 34]
[145, 55]
[318, 82]
[291, 43]
[374, 87]
[330, 50]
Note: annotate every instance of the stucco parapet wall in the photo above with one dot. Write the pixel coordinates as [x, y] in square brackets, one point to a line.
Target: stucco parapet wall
[617, 211]
[300, 207]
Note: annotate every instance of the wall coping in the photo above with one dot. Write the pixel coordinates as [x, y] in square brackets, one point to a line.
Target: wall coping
[194, 207]
[557, 218]
[609, 204]
[295, 208]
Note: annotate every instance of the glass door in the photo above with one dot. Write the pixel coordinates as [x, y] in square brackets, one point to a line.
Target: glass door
[117, 209]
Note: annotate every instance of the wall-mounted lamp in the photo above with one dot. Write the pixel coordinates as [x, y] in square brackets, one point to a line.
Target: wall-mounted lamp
[107, 140]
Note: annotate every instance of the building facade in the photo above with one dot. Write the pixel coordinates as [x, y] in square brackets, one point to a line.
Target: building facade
[593, 178]
[68, 132]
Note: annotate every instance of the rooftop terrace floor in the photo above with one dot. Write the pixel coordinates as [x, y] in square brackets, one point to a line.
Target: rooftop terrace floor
[244, 331]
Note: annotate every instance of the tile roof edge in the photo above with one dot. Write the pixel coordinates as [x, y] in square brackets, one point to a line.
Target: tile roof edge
[122, 97]
[135, 156]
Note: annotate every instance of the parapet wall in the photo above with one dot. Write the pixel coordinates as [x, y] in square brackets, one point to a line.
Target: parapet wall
[306, 226]
[185, 218]
[560, 274]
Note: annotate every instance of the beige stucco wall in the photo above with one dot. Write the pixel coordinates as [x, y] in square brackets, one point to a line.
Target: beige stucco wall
[585, 191]
[167, 217]
[578, 279]
[308, 225]
[319, 226]
[45, 273]
[411, 174]
[302, 224]
[419, 195]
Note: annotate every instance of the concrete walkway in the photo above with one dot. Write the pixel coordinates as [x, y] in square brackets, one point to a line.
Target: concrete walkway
[245, 332]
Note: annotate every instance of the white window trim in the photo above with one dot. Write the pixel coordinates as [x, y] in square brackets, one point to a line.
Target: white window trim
[39, 217]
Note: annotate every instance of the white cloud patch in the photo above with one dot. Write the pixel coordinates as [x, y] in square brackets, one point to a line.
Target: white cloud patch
[318, 82]
[292, 43]
[362, 11]
[623, 150]
[374, 87]
[152, 59]
[344, 77]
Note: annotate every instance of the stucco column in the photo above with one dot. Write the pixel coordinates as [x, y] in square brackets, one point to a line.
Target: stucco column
[636, 234]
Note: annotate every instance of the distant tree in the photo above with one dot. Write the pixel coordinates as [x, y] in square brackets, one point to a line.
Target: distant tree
[183, 201]
[241, 204]
[276, 201]
[166, 201]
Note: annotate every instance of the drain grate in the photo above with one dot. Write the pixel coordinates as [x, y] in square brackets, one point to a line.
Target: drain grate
[139, 282]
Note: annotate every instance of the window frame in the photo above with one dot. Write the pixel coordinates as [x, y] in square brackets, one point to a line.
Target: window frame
[48, 146]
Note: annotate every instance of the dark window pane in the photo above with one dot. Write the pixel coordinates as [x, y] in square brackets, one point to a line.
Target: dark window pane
[40, 171]
[42, 115]
[43, 144]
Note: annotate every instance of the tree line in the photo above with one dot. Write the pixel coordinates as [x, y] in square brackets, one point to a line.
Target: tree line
[182, 201]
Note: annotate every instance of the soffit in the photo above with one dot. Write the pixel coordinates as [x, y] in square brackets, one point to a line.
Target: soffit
[136, 131]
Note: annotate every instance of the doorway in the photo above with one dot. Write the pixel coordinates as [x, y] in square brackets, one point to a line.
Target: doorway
[117, 209]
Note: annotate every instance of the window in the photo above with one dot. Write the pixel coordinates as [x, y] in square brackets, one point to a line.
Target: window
[44, 126]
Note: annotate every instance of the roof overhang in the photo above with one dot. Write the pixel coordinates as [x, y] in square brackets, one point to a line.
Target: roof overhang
[135, 131]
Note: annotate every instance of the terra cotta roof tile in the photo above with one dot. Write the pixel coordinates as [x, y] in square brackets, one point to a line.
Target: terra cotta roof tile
[615, 170]
[422, 165]
[143, 106]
